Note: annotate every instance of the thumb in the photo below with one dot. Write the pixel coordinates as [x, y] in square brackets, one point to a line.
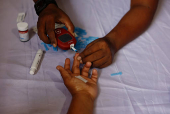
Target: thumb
[69, 25]
[65, 75]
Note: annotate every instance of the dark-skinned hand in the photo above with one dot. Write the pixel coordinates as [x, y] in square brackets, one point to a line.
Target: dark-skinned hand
[75, 85]
[46, 23]
[100, 53]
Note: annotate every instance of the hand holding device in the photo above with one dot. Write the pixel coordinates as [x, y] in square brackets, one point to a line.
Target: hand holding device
[49, 14]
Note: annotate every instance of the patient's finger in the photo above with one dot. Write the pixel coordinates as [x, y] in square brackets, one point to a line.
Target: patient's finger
[94, 76]
[85, 70]
[65, 75]
[76, 64]
[67, 65]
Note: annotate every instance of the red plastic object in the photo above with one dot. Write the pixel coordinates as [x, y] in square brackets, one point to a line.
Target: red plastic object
[64, 38]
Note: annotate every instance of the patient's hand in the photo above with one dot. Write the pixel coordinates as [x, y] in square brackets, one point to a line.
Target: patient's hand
[75, 85]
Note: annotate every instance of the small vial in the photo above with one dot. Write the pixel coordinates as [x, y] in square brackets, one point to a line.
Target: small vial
[23, 31]
[36, 62]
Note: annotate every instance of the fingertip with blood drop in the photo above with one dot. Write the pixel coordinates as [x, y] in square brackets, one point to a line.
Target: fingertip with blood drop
[79, 58]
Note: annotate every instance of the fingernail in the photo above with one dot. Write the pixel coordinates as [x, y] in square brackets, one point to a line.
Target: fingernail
[89, 63]
[94, 70]
[79, 58]
[54, 45]
[57, 68]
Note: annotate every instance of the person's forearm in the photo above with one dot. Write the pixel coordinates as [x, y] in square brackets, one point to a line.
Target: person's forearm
[131, 26]
[81, 104]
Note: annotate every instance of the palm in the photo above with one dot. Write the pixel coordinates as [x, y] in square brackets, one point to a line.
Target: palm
[75, 85]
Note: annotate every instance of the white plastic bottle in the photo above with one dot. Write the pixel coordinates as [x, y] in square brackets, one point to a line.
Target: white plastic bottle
[36, 62]
[23, 31]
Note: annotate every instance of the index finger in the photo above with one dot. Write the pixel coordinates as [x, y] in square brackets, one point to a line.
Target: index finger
[41, 31]
[65, 75]
[69, 25]
[50, 27]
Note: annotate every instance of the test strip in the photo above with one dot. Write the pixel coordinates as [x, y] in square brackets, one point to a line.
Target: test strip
[73, 48]
[59, 25]
[35, 29]
[21, 17]
[81, 78]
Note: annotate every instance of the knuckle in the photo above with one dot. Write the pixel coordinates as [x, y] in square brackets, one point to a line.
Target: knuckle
[49, 17]
[104, 44]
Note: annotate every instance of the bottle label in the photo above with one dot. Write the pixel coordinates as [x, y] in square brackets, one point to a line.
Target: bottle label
[24, 36]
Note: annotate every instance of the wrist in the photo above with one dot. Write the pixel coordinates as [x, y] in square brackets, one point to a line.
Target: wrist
[114, 38]
[52, 6]
[81, 103]
[41, 5]
[84, 96]
[112, 42]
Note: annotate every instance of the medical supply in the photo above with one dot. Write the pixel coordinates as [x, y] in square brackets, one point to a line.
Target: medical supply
[56, 26]
[73, 48]
[23, 31]
[65, 39]
[81, 78]
[114, 74]
[62, 26]
[59, 25]
[35, 29]
[21, 17]
[36, 62]
[75, 34]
